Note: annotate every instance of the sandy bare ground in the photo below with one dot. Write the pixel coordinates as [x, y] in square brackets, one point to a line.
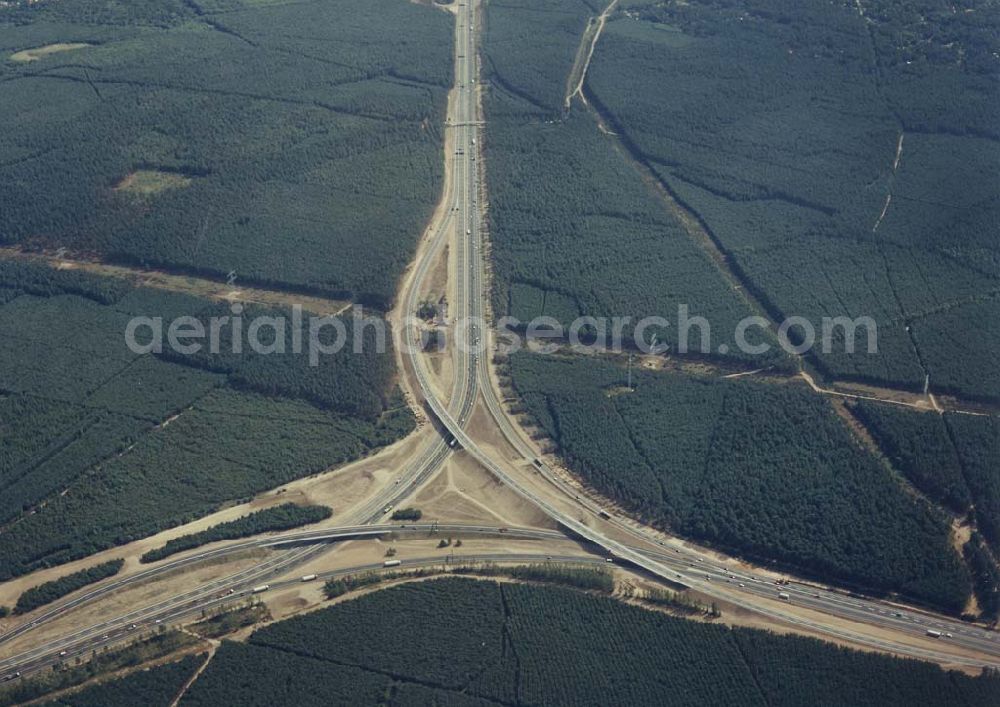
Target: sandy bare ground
[463, 492]
[895, 168]
[915, 401]
[146, 182]
[197, 286]
[37, 53]
[585, 52]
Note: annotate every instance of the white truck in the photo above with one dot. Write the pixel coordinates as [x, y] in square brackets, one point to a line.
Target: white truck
[262, 588]
[933, 634]
[391, 563]
[784, 596]
[308, 578]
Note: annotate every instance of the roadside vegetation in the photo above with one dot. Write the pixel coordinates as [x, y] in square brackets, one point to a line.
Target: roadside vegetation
[159, 685]
[155, 687]
[407, 514]
[283, 517]
[228, 620]
[295, 144]
[106, 446]
[52, 591]
[586, 578]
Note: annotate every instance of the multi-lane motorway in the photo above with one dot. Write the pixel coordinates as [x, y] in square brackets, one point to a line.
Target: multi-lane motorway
[458, 217]
[595, 528]
[302, 547]
[835, 614]
[165, 613]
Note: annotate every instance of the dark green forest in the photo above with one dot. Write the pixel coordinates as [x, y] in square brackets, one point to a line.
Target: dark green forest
[296, 144]
[154, 687]
[843, 155]
[574, 230]
[953, 458]
[764, 470]
[920, 446]
[471, 643]
[106, 446]
[985, 576]
[283, 517]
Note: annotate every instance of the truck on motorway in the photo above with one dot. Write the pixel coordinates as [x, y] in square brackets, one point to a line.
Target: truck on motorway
[784, 596]
[603, 513]
[261, 588]
[308, 578]
[391, 563]
[933, 634]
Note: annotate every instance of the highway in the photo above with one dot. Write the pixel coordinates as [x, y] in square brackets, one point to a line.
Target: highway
[239, 585]
[459, 202]
[866, 611]
[649, 550]
[139, 623]
[316, 541]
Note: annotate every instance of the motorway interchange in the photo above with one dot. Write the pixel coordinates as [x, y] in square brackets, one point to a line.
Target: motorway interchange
[877, 624]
